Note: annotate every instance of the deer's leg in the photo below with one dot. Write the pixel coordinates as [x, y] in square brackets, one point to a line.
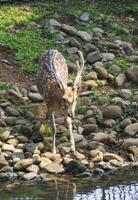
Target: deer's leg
[54, 132]
[72, 142]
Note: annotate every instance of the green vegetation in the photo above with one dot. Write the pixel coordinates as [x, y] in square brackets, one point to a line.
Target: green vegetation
[23, 26]
[4, 86]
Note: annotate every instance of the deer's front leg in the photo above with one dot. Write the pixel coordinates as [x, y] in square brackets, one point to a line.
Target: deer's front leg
[54, 133]
[72, 142]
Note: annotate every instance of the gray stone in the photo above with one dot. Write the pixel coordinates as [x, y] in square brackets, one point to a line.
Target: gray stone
[109, 123]
[100, 137]
[112, 112]
[71, 30]
[89, 128]
[89, 48]
[132, 74]
[58, 37]
[125, 93]
[84, 35]
[133, 58]
[78, 137]
[22, 139]
[11, 121]
[94, 57]
[29, 176]
[55, 23]
[18, 153]
[4, 136]
[15, 93]
[135, 98]
[125, 122]
[85, 17]
[26, 131]
[71, 50]
[84, 101]
[131, 129]
[12, 112]
[107, 56]
[130, 142]
[74, 43]
[6, 169]
[71, 66]
[101, 71]
[35, 97]
[23, 164]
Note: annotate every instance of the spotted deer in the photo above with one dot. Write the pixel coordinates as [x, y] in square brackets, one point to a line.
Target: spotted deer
[52, 78]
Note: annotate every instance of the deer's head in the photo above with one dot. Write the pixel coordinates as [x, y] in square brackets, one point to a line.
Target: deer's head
[69, 98]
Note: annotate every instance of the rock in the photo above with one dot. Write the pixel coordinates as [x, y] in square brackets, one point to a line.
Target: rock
[106, 166]
[23, 164]
[14, 93]
[89, 128]
[125, 93]
[55, 168]
[112, 112]
[55, 23]
[21, 122]
[71, 30]
[12, 141]
[101, 72]
[74, 43]
[99, 30]
[39, 110]
[71, 50]
[125, 122]
[33, 168]
[128, 49]
[133, 58]
[107, 56]
[111, 156]
[35, 97]
[75, 167]
[85, 17]
[132, 74]
[44, 162]
[59, 37]
[18, 153]
[12, 112]
[79, 156]
[131, 129]
[8, 147]
[135, 98]
[84, 101]
[91, 84]
[115, 69]
[30, 147]
[89, 48]
[71, 66]
[84, 35]
[130, 142]
[6, 169]
[37, 137]
[91, 75]
[22, 139]
[5, 135]
[34, 89]
[98, 171]
[29, 176]
[94, 145]
[134, 150]
[3, 162]
[109, 123]
[120, 80]
[94, 57]
[11, 121]
[52, 156]
[26, 131]
[77, 137]
[8, 176]
[100, 137]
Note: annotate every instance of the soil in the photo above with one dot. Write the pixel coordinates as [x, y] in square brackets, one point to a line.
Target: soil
[9, 72]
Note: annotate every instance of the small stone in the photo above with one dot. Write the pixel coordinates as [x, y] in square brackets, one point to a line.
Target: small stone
[74, 43]
[13, 141]
[134, 150]
[77, 137]
[100, 137]
[110, 156]
[131, 129]
[125, 122]
[85, 17]
[35, 97]
[132, 74]
[91, 84]
[125, 93]
[4, 136]
[3, 162]
[23, 164]
[39, 110]
[84, 35]
[71, 30]
[12, 112]
[101, 71]
[91, 75]
[120, 80]
[29, 176]
[75, 167]
[109, 123]
[53, 22]
[94, 57]
[112, 112]
[79, 156]
[18, 153]
[55, 168]
[33, 168]
[26, 131]
[89, 48]
[22, 139]
[135, 98]
[71, 50]
[130, 142]
[107, 56]
[8, 147]
[11, 121]
[6, 169]
[89, 128]
[34, 89]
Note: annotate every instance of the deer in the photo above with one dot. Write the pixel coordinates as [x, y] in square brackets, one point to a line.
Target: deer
[51, 81]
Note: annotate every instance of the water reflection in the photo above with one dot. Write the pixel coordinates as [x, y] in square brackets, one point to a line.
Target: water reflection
[122, 186]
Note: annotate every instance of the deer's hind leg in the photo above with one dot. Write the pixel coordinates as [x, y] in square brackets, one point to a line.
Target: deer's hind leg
[54, 132]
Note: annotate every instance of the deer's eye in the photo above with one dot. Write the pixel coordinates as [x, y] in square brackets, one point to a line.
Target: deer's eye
[64, 99]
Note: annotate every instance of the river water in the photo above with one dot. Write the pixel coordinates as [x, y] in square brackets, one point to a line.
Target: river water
[121, 185]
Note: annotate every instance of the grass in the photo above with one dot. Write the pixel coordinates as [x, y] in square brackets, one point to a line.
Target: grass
[4, 86]
[29, 42]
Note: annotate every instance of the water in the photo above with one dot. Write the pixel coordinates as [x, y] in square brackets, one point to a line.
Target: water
[118, 186]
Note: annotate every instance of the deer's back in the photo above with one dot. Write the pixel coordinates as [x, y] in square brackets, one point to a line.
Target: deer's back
[52, 68]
